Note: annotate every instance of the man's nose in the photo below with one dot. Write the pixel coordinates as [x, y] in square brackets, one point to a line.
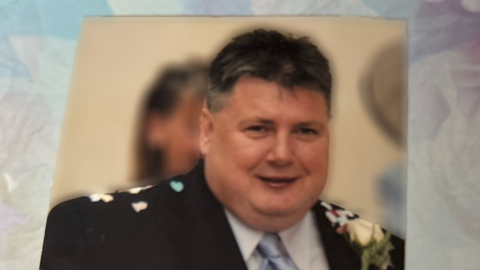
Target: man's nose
[281, 152]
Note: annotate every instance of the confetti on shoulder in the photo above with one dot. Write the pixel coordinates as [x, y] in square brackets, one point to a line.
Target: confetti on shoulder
[176, 185]
[101, 196]
[139, 206]
[136, 190]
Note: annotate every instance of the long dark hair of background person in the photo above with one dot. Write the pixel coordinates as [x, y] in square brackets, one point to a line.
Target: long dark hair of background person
[176, 95]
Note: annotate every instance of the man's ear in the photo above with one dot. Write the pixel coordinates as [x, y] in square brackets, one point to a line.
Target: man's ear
[206, 130]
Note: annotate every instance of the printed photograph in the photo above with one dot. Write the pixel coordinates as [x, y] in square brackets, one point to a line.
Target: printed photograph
[232, 143]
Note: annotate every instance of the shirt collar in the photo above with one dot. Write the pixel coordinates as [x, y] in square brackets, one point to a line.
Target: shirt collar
[247, 238]
[296, 239]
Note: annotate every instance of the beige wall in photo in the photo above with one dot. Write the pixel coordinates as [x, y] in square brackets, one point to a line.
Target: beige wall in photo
[118, 57]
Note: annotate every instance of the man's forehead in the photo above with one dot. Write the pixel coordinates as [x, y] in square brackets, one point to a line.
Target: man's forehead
[267, 101]
[255, 92]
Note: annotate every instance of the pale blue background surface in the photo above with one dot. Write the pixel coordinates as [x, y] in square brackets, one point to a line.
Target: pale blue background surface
[37, 45]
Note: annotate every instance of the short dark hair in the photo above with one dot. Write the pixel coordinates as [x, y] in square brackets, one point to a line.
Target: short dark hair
[272, 56]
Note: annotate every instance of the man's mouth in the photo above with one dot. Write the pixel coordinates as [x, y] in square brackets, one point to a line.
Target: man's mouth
[277, 181]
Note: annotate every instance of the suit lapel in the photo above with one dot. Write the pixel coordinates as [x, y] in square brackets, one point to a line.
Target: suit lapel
[339, 254]
[206, 241]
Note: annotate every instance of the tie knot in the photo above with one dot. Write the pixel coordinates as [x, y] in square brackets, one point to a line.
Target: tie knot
[270, 246]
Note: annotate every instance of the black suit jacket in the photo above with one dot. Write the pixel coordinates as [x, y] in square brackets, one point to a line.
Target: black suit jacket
[178, 230]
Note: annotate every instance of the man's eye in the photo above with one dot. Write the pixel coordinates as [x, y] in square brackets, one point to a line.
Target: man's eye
[308, 131]
[257, 128]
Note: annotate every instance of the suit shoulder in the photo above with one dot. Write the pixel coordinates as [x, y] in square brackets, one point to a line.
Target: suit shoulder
[63, 245]
[98, 205]
[166, 193]
[66, 212]
[65, 207]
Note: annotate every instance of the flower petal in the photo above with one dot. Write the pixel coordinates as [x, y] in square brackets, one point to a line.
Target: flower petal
[377, 233]
[361, 231]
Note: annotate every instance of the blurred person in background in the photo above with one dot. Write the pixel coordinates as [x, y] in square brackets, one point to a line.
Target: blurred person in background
[167, 139]
[384, 91]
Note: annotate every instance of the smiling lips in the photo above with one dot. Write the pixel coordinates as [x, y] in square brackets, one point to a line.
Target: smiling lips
[278, 182]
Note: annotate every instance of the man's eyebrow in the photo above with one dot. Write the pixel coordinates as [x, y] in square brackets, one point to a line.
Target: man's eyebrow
[259, 120]
[308, 123]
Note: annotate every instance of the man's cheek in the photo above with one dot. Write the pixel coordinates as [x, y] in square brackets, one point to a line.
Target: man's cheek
[312, 152]
[240, 147]
[316, 164]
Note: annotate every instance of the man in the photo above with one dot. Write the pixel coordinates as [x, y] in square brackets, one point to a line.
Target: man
[252, 203]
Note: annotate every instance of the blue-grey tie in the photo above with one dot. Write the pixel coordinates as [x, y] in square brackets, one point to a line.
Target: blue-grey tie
[274, 254]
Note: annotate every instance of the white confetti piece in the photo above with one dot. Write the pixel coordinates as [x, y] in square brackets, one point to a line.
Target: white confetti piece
[139, 206]
[100, 196]
[107, 198]
[136, 190]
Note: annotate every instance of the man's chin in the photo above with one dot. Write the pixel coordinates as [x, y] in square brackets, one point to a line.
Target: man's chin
[282, 209]
[276, 210]
[276, 218]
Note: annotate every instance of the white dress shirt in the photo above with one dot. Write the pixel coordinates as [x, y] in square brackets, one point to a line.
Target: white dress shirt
[302, 242]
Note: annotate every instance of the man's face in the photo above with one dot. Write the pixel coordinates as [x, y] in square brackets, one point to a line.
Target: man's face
[266, 152]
